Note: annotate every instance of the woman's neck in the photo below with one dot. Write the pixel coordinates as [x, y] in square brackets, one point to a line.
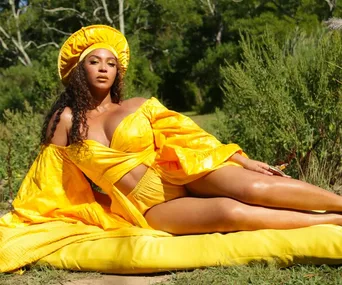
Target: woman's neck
[101, 100]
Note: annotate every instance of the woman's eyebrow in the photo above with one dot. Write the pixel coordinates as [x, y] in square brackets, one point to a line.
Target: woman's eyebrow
[99, 57]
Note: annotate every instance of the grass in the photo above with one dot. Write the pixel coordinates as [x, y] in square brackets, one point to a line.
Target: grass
[202, 120]
[260, 274]
[4, 208]
[42, 275]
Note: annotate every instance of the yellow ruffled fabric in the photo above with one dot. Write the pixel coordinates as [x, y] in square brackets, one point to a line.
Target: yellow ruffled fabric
[83, 39]
[55, 205]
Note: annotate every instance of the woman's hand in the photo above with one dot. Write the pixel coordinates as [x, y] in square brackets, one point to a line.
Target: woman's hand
[257, 166]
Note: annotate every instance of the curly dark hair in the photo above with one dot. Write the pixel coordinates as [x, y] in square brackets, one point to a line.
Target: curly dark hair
[78, 98]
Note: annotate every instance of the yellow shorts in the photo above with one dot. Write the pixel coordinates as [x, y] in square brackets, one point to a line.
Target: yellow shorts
[151, 190]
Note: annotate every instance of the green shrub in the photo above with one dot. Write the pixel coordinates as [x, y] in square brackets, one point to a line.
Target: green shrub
[19, 145]
[29, 83]
[285, 101]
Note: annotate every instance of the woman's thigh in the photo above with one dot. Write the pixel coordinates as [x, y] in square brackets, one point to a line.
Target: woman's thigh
[233, 182]
[190, 215]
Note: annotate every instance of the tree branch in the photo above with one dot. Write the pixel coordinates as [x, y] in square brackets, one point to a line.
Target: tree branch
[22, 61]
[4, 32]
[210, 5]
[219, 34]
[57, 30]
[18, 43]
[3, 44]
[95, 12]
[59, 9]
[42, 45]
[121, 16]
[331, 3]
[63, 9]
[27, 60]
[104, 5]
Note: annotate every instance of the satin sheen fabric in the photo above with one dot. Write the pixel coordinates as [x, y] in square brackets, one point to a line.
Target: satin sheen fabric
[57, 220]
[87, 39]
[55, 205]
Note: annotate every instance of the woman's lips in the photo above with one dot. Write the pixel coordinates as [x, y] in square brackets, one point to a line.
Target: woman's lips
[102, 78]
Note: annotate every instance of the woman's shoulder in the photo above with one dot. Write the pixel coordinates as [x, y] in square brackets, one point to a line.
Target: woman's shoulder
[65, 118]
[61, 133]
[134, 102]
[66, 115]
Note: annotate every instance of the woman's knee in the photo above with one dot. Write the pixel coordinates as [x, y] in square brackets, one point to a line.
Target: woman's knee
[256, 191]
[229, 214]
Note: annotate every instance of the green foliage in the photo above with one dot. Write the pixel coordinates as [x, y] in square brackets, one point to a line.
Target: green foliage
[285, 100]
[208, 78]
[14, 85]
[19, 145]
[177, 47]
[140, 80]
[29, 83]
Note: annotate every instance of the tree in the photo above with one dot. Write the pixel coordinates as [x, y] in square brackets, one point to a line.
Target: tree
[182, 44]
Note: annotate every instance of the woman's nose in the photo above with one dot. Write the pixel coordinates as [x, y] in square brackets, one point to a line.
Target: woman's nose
[102, 67]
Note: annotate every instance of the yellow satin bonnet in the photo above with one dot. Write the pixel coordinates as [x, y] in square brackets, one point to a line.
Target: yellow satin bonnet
[87, 39]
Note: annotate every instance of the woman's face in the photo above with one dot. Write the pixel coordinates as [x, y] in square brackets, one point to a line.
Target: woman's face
[101, 69]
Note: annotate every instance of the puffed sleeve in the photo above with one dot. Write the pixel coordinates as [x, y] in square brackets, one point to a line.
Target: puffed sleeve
[184, 150]
[54, 208]
[55, 189]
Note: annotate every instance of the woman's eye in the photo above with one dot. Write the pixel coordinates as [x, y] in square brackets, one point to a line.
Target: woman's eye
[93, 62]
[111, 64]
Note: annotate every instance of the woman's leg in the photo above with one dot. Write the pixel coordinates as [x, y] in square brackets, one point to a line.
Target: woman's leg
[207, 215]
[259, 189]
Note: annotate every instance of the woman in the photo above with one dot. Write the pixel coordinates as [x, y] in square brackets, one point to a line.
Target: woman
[223, 199]
[158, 169]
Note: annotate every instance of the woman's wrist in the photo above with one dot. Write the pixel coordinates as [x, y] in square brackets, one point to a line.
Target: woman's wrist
[238, 158]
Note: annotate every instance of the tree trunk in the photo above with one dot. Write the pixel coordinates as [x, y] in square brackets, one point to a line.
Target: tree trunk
[121, 16]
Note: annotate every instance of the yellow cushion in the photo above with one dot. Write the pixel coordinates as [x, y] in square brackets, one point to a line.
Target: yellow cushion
[144, 254]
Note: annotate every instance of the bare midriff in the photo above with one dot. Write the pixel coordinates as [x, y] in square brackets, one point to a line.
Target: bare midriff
[128, 182]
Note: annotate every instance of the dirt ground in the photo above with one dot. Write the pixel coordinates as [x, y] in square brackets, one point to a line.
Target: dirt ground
[121, 280]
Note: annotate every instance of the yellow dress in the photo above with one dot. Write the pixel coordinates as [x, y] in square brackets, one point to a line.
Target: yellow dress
[55, 191]
[57, 220]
